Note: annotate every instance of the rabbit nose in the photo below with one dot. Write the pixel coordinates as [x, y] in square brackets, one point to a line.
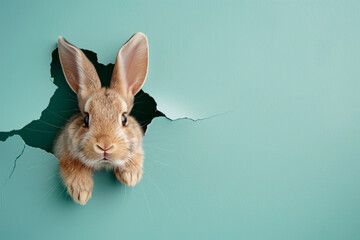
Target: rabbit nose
[104, 145]
[104, 148]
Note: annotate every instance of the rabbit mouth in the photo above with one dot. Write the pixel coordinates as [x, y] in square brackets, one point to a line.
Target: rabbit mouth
[106, 159]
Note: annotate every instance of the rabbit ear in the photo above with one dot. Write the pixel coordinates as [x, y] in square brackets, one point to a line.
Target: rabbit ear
[79, 72]
[131, 67]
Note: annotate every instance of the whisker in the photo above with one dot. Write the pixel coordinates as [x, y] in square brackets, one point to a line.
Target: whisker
[56, 114]
[37, 130]
[73, 96]
[70, 100]
[145, 121]
[135, 102]
[63, 191]
[51, 176]
[50, 190]
[145, 140]
[139, 95]
[159, 190]
[133, 163]
[130, 141]
[49, 124]
[146, 199]
[35, 166]
[137, 111]
[71, 110]
[164, 164]
[144, 124]
[153, 146]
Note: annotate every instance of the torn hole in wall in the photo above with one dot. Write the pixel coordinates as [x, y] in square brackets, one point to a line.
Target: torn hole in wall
[63, 104]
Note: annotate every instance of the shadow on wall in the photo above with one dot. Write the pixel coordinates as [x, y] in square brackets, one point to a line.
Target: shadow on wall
[63, 104]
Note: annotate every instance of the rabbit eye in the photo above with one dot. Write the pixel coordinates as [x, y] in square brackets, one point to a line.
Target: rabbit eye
[86, 120]
[124, 119]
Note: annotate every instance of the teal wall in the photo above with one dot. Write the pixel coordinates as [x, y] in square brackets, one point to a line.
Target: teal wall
[275, 156]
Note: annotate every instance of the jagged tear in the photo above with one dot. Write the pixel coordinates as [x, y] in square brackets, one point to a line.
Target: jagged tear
[63, 104]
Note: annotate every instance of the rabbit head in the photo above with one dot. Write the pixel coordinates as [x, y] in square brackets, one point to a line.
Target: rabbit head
[107, 134]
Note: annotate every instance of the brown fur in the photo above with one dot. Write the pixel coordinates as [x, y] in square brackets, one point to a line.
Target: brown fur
[77, 178]
[106, 142]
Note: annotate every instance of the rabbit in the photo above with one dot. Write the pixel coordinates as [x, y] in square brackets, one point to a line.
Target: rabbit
[103, 134]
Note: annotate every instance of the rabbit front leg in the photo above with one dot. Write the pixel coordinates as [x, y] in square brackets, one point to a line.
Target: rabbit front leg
[77, 178]
[131, 173]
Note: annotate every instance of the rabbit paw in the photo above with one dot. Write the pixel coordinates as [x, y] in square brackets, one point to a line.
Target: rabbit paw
[80, 190]
[130, 177]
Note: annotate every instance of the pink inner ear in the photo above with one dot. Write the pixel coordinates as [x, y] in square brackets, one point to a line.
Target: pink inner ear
[68, 57]
[134, 63]
[79, 72]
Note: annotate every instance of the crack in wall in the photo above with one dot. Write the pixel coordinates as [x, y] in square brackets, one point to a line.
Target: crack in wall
[10, 175]
[198, 119]
[15, 162]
